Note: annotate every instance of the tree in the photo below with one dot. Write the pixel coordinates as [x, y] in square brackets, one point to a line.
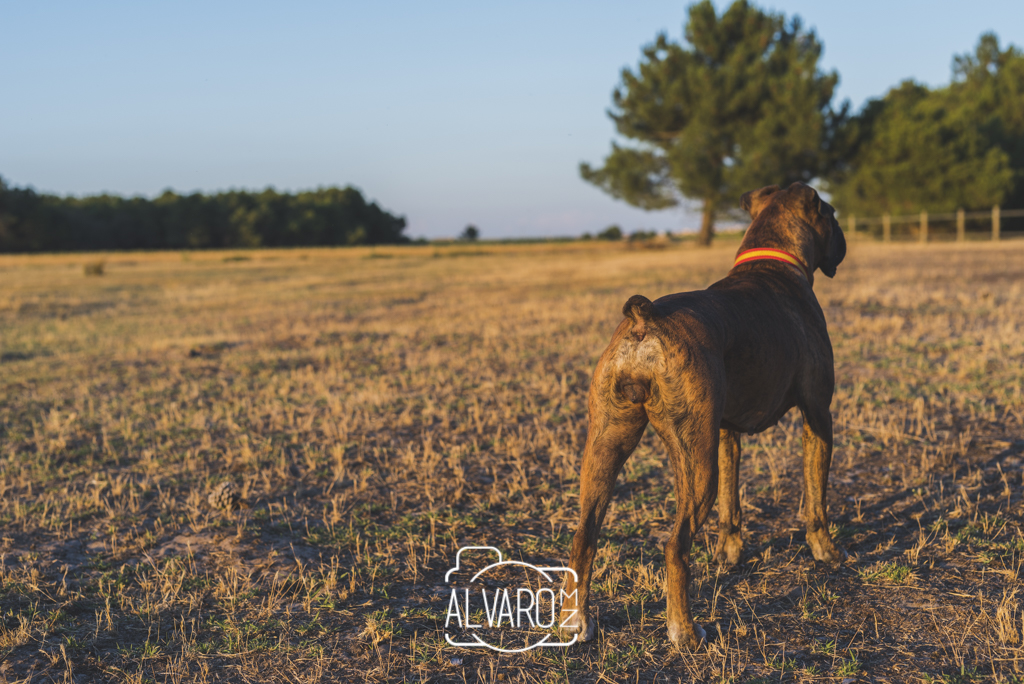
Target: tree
[920, 150]
[740, 105]
[992, 82]
[960, 146]
[470, 233]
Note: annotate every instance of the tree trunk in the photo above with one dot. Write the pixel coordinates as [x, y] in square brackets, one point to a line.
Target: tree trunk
[707, 225]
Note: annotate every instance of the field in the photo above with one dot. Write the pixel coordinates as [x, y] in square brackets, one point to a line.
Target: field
[372, 410]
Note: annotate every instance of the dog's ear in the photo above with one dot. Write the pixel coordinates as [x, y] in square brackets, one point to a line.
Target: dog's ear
[753, 202]
[835, 243]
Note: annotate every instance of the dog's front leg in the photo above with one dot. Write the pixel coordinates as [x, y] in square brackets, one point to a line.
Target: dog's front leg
[817, 443]
[730, 533]
[615, 429]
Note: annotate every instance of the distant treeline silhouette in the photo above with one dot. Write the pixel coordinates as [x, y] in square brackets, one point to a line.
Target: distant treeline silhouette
[36, 222]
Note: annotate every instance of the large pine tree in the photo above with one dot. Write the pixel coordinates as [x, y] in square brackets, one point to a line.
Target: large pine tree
[740, 104]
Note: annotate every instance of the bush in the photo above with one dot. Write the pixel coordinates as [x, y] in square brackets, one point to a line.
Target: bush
[640, 235]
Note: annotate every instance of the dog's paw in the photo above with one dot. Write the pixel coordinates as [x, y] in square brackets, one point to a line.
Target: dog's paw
[826, 550]
[837, 555]
[729, 551]
[687, 640]
[580, 624]
[589, 631]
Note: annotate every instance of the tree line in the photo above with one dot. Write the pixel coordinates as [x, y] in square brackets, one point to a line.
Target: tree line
[33, 222]
[741, 103]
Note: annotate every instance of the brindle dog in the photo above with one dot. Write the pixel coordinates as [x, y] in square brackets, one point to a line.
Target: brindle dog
[702, 367]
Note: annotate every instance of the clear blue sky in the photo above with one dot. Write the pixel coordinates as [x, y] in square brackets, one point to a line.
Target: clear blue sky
[446, 112]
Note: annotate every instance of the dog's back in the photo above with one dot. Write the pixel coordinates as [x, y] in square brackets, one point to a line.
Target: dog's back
[758, 339]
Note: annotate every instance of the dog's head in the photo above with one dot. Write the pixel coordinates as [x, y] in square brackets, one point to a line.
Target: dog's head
[815, 219]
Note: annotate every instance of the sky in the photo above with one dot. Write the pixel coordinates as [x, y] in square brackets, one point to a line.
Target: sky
[448, 113]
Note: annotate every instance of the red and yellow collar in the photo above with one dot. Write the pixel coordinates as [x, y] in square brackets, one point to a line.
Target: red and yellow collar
[762, 253]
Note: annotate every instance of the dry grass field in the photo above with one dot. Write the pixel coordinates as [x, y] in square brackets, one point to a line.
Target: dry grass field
[372, 410]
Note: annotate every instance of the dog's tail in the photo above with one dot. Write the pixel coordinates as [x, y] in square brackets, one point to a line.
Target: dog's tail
[640, 310]
[636, 359]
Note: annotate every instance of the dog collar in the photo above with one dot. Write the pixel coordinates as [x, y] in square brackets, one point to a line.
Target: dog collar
[763, 253]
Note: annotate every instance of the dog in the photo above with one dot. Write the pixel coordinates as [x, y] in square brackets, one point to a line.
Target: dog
[703, 367]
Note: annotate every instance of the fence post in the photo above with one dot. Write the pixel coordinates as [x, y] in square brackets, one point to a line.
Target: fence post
[886, 227]
[924, 226]
[960, 231]
[853, 225]
[995, 223]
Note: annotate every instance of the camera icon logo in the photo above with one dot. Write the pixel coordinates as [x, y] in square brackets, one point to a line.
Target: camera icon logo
[507, 606]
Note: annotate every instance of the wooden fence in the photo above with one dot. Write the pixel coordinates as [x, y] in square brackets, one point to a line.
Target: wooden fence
[922, 219]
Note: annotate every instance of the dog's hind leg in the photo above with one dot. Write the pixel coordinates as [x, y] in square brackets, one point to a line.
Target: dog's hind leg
[730, 534]
[817, 443]
[692, 443]
[616, 426]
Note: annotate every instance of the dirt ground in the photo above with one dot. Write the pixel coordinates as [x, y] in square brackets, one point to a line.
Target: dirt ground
[258, 466]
